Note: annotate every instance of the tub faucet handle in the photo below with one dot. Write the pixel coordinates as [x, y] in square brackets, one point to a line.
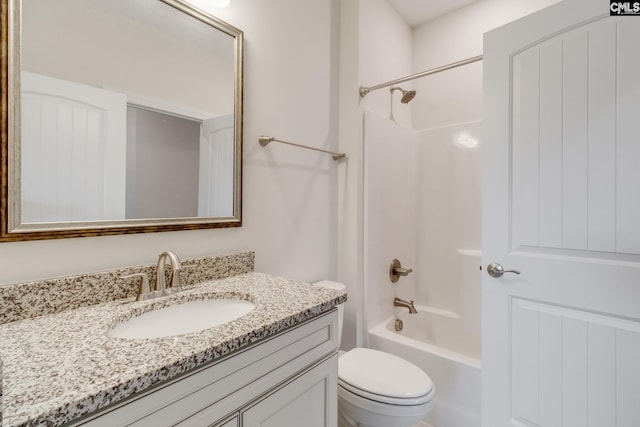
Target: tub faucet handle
[403, 271]
[396, 270]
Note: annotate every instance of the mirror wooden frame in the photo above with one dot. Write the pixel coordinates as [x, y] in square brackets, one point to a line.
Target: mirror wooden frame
[11, 229]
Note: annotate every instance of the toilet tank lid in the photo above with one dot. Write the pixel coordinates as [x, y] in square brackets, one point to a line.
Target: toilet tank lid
[330, 285]
[382, 373]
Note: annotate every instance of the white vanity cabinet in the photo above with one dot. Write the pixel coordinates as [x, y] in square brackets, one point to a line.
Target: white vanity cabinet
[283, 381]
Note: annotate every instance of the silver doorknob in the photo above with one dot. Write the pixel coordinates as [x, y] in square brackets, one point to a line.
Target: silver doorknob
[496, 270]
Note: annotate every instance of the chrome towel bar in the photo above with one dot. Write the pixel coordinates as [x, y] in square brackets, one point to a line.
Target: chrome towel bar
[264, 140]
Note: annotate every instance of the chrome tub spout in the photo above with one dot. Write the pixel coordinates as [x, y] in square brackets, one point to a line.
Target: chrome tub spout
[397, 302]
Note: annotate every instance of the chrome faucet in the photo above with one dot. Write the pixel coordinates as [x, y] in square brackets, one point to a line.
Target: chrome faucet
[397, 302]
[145, 293]
[176, 266]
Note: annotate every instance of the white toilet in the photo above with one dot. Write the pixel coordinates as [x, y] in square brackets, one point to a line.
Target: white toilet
[378, 389]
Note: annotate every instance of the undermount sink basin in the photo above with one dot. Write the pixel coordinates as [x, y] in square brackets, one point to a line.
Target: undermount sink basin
[182, 318]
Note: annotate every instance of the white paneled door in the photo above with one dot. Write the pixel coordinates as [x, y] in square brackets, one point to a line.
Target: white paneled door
[561, 205]
[216, 174]
[73, 151]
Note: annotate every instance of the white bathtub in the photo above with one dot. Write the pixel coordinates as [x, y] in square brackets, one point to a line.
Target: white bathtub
[455, 375]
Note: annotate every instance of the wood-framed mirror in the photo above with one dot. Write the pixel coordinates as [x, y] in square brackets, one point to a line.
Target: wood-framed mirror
[118, 117]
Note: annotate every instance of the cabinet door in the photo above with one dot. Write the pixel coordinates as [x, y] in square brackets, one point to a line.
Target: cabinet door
[310, 399]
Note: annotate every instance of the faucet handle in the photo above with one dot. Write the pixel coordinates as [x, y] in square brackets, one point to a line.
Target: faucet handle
[396, 270]
[144, 290]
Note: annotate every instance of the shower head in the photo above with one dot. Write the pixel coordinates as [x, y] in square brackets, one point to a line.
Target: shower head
[407, 95]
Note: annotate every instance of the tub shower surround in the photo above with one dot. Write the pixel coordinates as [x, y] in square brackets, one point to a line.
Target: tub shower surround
[32, 299]
[61, 366]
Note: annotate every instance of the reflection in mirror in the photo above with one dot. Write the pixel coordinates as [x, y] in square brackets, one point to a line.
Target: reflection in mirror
[130, 116]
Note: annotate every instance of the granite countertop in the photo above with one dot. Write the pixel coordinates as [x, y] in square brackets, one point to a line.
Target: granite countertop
[61, 366]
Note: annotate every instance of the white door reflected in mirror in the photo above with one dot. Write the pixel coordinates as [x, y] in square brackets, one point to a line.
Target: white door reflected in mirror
[88, 154]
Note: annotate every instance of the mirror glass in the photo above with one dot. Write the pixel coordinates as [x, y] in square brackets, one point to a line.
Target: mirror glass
[126, 117]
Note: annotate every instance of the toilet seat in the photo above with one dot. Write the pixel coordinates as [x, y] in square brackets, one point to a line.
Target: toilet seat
[388, 400]
[384, 378]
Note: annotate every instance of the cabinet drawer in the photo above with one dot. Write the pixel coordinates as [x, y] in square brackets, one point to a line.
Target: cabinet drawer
[176, 400]
[274, 383]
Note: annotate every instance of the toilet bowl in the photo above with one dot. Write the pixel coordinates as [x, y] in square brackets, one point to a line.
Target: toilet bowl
[378, 389]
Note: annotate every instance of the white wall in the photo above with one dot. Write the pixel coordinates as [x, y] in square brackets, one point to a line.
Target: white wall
[350, 179]
[455, 96]
[375, 46]
[121, 48]
[385, 53]
[289, 195]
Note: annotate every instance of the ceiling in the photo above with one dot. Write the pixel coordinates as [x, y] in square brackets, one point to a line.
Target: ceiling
[416, 12]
